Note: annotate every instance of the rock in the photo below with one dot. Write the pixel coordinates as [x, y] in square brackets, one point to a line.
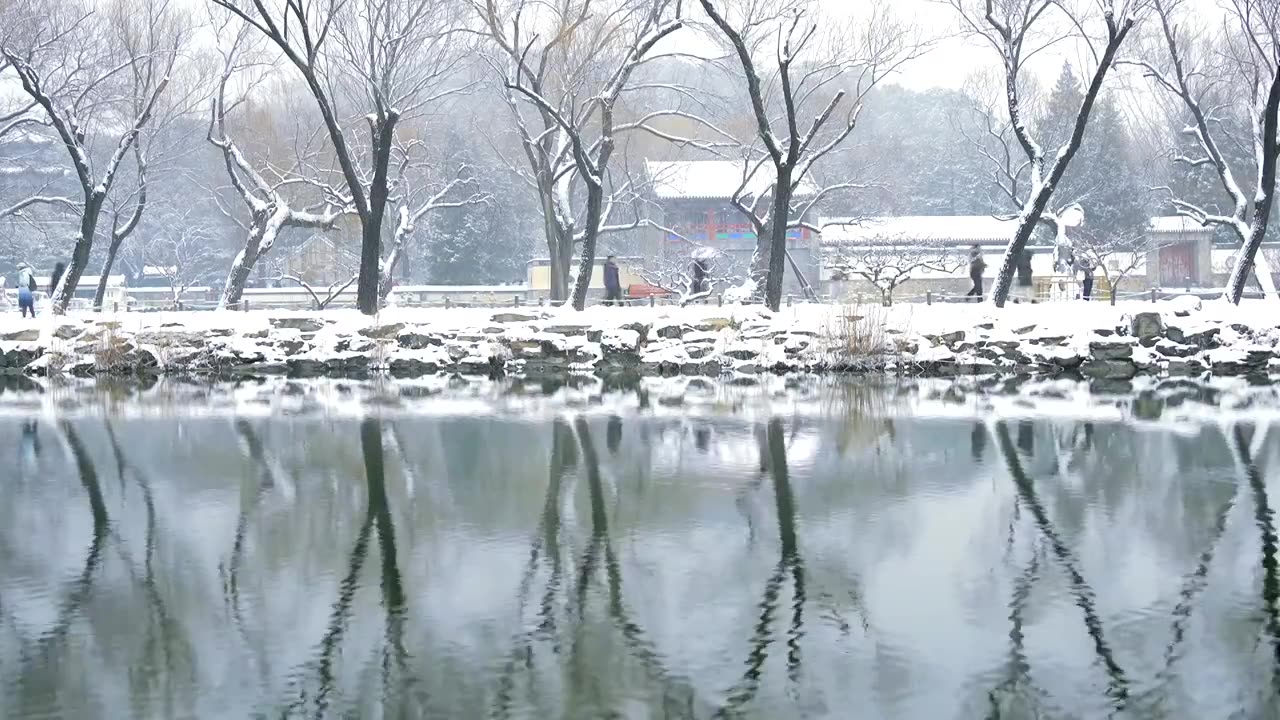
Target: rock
[670, 331]
[30, 335]
[568, 330]
[1109, 369]
[1024, 330]
[1064, 358]
[713, 324]
[512, 317]
[986, 326]
[709, 369]
[641, 329]
[1049, 340]
[411, 367]
[382, 332]
[68, 332]
[952, 338]
[1146, 325]
[620, 341]
[742, 352]
[1202, 336]
[1183, 305]
[1237, 361]
[304, 324]
[257, 334]
[457, 352]
[1171, 349]
[418, 341]
[697, 352]
[1183, 367]
[170, 338]
[292, 347]
[1105, 350]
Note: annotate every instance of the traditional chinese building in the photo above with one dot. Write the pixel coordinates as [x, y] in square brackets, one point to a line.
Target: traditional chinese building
[695, 208]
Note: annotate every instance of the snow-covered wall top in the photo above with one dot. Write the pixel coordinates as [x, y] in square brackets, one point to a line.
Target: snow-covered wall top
[711, 179]
[941, 229]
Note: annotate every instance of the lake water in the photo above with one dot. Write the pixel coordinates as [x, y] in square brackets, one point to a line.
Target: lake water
[587, 562]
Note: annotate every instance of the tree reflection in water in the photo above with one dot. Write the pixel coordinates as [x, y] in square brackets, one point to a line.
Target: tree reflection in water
[36, 659]
[677, 695]
[1086, 599]
[773, 460]
[396, 678]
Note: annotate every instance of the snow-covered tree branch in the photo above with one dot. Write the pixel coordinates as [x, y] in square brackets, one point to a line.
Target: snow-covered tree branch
[563, 88]
[415, 200]
[397, 56]
[75, 74]
[1209, 95]
[694, 276]
[858, 58]
[886, 263]
[271, 210]
[1018, 30]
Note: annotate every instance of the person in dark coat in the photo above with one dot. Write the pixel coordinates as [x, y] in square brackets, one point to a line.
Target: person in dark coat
[612, 282]
[58, 270]
[1025, 290]
[1086, 277]
[700, 273]
[977, 266]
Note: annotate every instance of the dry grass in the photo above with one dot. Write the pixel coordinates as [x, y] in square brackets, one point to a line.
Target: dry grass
[112, 351]
[855, 332]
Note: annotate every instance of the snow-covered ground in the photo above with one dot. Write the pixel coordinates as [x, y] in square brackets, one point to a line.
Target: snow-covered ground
[1182, 336]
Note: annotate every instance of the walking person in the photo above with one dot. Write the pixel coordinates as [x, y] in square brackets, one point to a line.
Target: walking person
[1026, 292]
[26, 290]
[1086, 277]
[56, 277]
[977, 266]
[612, 282]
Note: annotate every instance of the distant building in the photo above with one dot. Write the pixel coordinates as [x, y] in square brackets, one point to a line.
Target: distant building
[694, 206]
[319, 260]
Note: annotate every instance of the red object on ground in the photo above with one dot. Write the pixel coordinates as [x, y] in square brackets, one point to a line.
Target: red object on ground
[644, 291]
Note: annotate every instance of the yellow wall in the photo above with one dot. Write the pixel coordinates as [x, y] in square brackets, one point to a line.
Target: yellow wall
[540, 276]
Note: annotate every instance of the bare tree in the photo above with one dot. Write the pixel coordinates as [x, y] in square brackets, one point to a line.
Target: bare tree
[563, 90]
[270, 209]
[398, 56]
[416, 200]
[859, 59]
[693, 277]
[886, 263]
[331, 293]
[1212, 78]
[76, 74]
[1018, 30]
[183, 253]
[1117, 255]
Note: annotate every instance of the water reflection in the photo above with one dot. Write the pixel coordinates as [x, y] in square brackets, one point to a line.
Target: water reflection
[618, 565]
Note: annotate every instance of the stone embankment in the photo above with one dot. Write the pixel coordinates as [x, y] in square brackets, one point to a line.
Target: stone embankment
[1177, 338]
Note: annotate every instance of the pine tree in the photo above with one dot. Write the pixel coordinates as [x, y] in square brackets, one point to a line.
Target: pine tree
[1104, 177]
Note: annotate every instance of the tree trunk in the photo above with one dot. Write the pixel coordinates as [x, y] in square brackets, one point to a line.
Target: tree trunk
[1263, 200]
[587, 265]
[387, 281]
[101, 294]
[781, 213]
[261, 235]
[371, 224]
[80, 256]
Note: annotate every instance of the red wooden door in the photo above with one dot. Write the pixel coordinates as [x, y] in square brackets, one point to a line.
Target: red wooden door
[1177, 263]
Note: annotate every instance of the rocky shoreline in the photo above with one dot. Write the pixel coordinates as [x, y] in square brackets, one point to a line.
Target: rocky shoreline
[1179, 338]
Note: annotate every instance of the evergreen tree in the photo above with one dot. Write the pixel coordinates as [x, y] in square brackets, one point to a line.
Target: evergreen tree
[1105, 176]
[479, 244]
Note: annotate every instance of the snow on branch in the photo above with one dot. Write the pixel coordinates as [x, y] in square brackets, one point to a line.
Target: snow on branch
[887, 262]
[1185, 70]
